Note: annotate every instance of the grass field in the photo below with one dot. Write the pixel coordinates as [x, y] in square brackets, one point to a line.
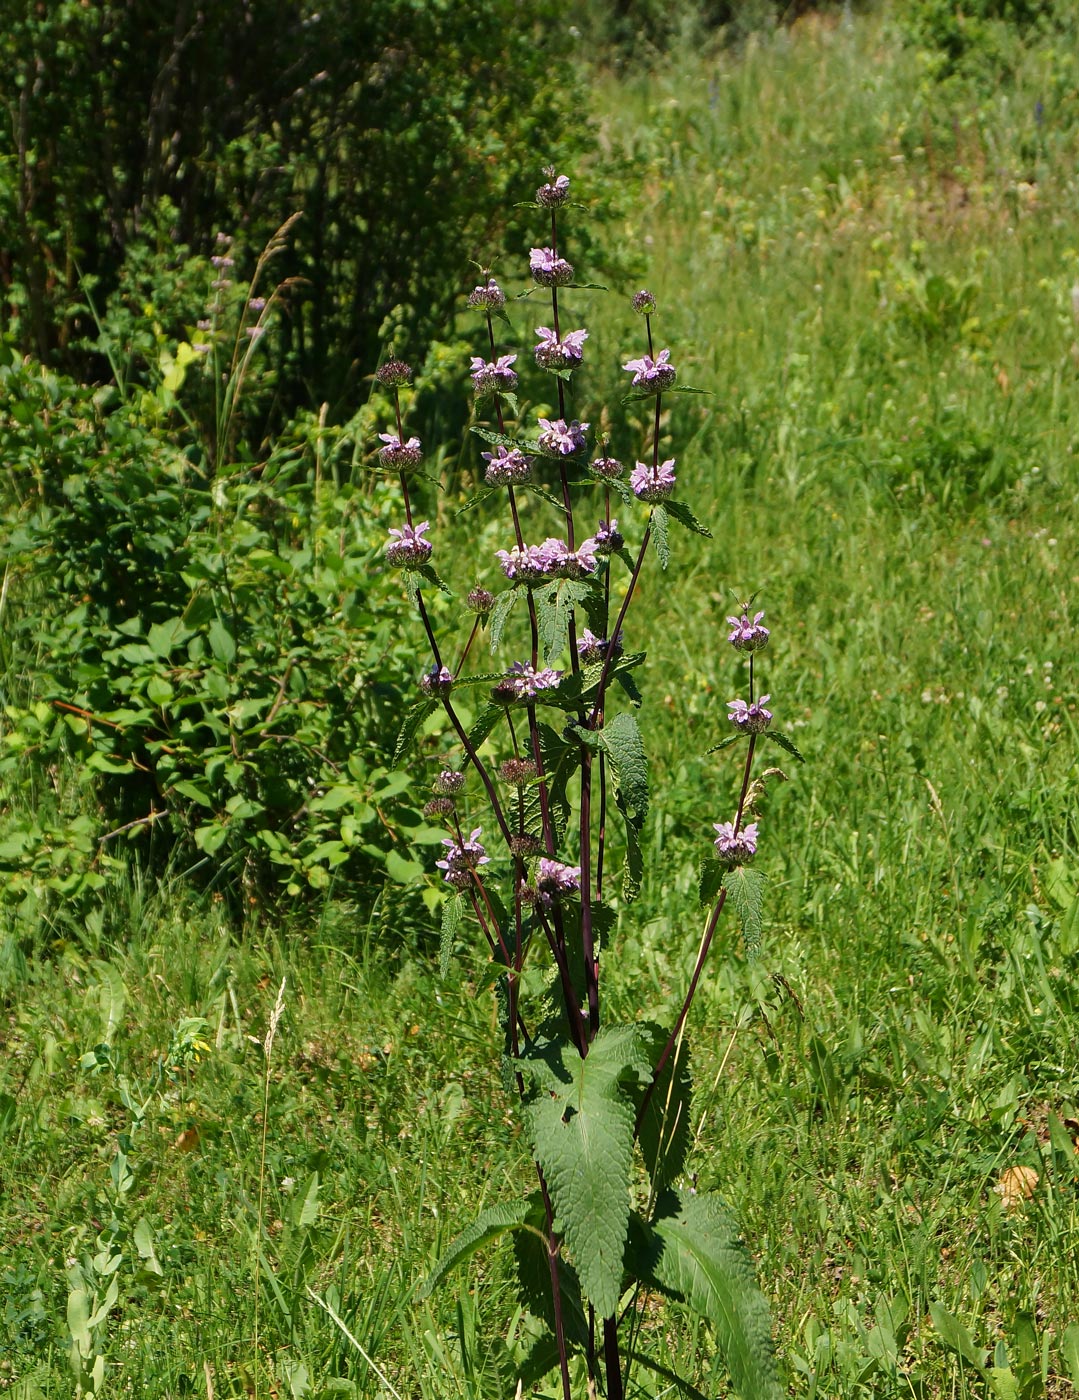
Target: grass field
[887, 330]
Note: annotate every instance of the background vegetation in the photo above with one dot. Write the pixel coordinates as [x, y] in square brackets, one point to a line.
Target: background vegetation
[861, 230]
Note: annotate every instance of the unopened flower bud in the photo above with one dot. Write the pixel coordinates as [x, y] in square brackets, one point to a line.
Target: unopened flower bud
[480, 601]
[439, 807]
[394, 374]
[449, 782]
[644, 303]
[518, 772]
[610, 468]
[488, 296]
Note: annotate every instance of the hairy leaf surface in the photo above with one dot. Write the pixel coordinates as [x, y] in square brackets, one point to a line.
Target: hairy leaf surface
[581, 1123]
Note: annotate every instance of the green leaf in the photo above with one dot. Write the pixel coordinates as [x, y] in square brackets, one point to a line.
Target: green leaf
[488, 1225]
[620, 738]
[504, 605]
[222, 642]
[664, 1134]
[709, 881]
[633, 867]
[143, 1237]
[956, 1337]
[158, 690]
[534, 1278]
[784, 743]
[483, 726]
[696, 1255]
[745, 889]
[193, 793]
[452, 911]
[726, 743]
[211, 837]
[581, 1124]
[554, 603]
[414, 717]
[679, 511]
[303, 1211]
[400, 869]
[660, 542]
[165, 637]
[1069, 1350]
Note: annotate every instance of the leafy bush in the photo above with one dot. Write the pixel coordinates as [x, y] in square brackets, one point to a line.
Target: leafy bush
[204, 646]
[388, 124]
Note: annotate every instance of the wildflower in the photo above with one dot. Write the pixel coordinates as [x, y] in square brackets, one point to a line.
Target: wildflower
[518, 772]
[555, 191]
[610, 468]
[506, 466]
[608, 538]
[200, 347]
[439, 807]
[528, 564]
[489, 296]
[552, 353]
[480, 601]
[449, 782]
[592, 649]
[554, 879]
[220, 260]
[463, 858]
[257, 304]
[394, 374]
[408, 548]
[653, 375]
[735, 847]
[399, 454]
[750, 719]
[528, 682]
[563, 562]
[204, 325]
[748, 636]
[438, 681]
[255, 332]
[653, 483]
[493, 376]
[644, 303]
[548, 269]
[562, 438]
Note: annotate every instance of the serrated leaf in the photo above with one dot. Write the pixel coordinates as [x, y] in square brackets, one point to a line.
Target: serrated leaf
[414, 717]
[621, 740]
[660, 542]
[488, 1225]
[633, 866]
[745, 889]
[698, 1256]
[427, 573]
[664, 1133]
[534, 1278]
[580, 1120]
[725, 743]
[499, 615]
[554, 603]
[678, 510]
[777, 737]
[452, 911]
[484, 725]
[709, 881]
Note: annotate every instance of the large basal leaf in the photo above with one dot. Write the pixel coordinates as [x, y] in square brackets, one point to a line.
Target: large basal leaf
[580, 1119]
[488, 1225]
[664, 1134]
[693, 1250]
[534, 1281]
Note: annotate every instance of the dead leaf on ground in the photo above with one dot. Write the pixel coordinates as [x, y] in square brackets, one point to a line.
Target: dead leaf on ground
[188, 1140]
[1016, 1185]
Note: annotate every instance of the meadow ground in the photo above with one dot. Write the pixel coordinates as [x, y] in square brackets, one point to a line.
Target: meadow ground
[888, 332]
